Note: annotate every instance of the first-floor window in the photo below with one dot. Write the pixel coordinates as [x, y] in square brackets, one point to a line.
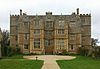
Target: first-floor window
[25, 46]
[61, 31]
[36, 43]
[26, 36]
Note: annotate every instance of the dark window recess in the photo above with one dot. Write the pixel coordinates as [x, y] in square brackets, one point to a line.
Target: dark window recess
[72, 47]
[26, 46]
[16, 45]
[16, 38]
[26, 36]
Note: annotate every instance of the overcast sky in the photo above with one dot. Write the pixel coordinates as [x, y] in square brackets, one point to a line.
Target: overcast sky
[34, 7]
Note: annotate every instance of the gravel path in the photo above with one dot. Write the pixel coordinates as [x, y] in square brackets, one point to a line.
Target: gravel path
[50, 60]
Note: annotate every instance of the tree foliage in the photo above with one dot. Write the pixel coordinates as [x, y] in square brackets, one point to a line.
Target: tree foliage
[4, 42]
[93, 51]
[94, 42]
[6, 49]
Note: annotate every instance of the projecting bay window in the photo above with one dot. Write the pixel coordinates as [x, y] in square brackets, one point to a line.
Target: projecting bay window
[36, 43]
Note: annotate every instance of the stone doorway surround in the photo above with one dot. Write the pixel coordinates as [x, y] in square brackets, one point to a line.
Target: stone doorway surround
[50, 60]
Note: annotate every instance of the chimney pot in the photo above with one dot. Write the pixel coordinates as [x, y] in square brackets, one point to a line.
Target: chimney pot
[77, 11]
[20, 11]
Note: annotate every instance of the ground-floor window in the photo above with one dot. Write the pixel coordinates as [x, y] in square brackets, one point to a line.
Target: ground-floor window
[60, 43]
[72, 47]
[25, 46]
[36, 43]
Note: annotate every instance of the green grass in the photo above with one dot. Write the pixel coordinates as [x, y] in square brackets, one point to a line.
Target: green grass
[17, 62]
[20, 64]
[18, 56]
[80, 62]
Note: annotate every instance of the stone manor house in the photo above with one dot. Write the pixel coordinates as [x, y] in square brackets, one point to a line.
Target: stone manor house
[50, 34]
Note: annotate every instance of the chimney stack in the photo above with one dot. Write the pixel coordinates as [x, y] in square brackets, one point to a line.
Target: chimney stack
[77, 11]
[20, 11]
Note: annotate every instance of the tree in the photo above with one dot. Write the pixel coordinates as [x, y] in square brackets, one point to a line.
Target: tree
[94, 42]
[94, 50]
[0, 50]
[4, 42]
[0, 43]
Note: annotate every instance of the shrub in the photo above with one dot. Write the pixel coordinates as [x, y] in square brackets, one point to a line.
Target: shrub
[83, 51]
[8, 51]
[12, 50]
[64, 52]
[96, 53]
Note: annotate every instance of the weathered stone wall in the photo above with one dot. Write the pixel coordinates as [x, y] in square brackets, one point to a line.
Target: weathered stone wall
[13, 30]
[86, 29]
[72, 31]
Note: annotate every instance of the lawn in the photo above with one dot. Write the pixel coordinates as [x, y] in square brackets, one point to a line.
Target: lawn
[79, 63]
[17, 62]
[17, 56]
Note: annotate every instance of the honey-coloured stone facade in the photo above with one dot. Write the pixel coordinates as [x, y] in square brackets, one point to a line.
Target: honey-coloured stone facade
[50, 34]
